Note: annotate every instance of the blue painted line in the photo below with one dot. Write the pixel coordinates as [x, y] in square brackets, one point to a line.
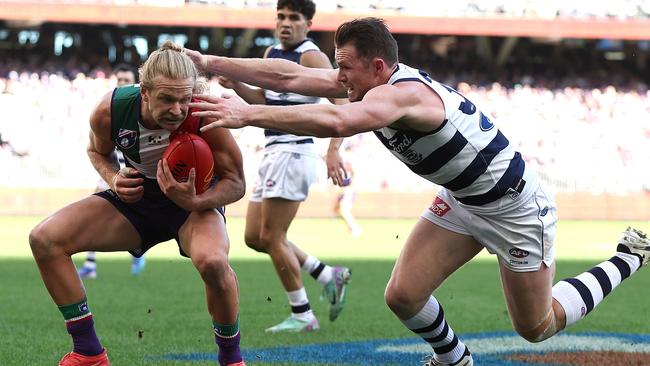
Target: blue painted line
[413, 350]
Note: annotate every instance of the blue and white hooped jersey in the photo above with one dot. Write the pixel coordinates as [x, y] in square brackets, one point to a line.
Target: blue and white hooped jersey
[467, 154]
[275, 98]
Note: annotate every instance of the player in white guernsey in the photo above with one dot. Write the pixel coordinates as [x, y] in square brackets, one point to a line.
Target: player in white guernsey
[489, 198]
[124, 75]
[287, 170]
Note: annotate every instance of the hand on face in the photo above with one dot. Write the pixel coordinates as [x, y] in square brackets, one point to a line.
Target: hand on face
[181, 193]
[127, 184]
[227, 111]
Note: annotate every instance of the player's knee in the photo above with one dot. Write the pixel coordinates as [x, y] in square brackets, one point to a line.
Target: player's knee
[532, 336]
[214, 270]
[397, 298]
[268, 240]
[253, 242]
[40, 243]
[545, 330]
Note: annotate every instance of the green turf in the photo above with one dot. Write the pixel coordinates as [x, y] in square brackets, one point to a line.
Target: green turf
[166, 304]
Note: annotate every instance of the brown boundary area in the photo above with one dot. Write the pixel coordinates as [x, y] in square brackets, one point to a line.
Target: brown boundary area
[579, 206]
[219, 16]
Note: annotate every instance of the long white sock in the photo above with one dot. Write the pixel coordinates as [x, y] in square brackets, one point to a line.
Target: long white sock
[430, 324]
[580, 295]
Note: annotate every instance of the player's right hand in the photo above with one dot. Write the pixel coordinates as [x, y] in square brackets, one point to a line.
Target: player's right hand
[197, 57]
[227, 83]
[127, 184]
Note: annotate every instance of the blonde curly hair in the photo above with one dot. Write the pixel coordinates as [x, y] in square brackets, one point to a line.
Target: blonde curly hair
[171, 62]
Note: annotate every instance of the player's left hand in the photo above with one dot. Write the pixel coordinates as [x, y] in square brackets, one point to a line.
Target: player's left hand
[181, 193]
[227, 111]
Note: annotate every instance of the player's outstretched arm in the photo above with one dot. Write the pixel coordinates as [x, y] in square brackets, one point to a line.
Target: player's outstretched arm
[380, 107]
[275, 74]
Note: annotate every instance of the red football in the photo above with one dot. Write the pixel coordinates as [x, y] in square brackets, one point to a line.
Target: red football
[189, 151]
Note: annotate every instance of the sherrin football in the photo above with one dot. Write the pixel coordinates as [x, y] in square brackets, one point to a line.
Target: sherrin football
[188, 151]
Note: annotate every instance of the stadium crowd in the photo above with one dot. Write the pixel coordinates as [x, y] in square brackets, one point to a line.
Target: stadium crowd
[621, 9]
[581, 138]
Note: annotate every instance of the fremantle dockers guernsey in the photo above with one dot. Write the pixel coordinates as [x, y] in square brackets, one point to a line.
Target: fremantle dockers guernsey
[467, 154]
[142, 147]
[275, 98]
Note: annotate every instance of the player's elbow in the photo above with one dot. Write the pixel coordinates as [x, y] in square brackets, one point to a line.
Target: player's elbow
[238, 186]
[241, 189]
[283, 83]
[340, 126]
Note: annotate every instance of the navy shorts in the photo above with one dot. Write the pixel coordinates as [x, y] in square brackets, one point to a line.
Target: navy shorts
[155, 217]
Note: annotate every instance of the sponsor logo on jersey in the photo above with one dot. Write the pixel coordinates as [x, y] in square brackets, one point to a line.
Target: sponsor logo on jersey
[400, 143]
[519, 253]
[270, 183]
[412, 156]
[439, 207]
[155, 140]
[126, 138]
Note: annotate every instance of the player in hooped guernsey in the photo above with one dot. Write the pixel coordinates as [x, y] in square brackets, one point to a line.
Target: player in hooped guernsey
[466, 154]
[489, 198]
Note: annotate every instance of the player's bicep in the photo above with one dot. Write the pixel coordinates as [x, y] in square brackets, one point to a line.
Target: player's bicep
[380, 107]
[100, 128]
[317, 82]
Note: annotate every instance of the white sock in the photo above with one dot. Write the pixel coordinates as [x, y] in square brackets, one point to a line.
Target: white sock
[430, 324]
[580, 295]
[320, 271]
[299, 303]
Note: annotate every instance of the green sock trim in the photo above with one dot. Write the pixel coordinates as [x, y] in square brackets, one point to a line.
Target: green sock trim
[75, 310]
[226, 330]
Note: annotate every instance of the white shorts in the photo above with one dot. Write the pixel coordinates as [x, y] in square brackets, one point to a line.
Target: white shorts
[284, 174]
[520, 234]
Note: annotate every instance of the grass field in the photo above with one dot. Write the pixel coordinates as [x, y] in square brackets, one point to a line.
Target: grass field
[159, 318]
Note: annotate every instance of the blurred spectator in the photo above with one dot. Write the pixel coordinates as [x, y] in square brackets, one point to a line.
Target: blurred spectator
[576, 116]
[589, 139]
[620, 9]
